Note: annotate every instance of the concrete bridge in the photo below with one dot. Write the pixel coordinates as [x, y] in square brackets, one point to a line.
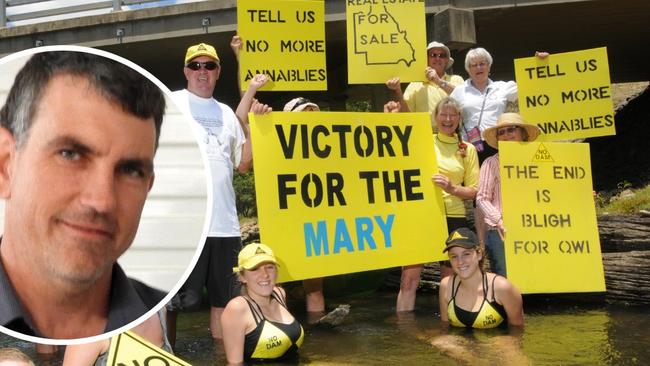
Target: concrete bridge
[155, 35]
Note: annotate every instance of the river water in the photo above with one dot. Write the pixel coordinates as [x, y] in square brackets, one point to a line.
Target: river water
[556, 333]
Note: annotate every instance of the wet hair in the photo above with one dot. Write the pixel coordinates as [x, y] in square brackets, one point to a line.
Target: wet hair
[477, 54]
[136, 94]
[447, 101]
[14, 354]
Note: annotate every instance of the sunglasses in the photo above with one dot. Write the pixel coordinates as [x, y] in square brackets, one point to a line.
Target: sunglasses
[300, 102]
[507, 130]
[438, 55]
[208, 65]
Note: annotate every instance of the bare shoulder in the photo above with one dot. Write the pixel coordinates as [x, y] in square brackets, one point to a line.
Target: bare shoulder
[237, 305]
[503, 288]
[445, 281]
[445, 284]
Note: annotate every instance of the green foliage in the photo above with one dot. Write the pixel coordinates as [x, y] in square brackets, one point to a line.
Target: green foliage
[623, 185]
[631, 205]
[245, 193]
[358, 106]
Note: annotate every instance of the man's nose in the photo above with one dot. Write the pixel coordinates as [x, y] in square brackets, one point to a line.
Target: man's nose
[99, 190]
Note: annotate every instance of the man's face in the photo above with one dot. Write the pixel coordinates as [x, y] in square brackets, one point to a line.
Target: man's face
[76, 187]
[437, 58]
[201, 82]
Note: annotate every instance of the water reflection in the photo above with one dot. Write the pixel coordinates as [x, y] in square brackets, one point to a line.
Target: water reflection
[555, 333]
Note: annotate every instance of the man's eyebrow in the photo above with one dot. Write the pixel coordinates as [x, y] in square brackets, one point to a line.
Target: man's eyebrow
[144, 164]
[71, 142]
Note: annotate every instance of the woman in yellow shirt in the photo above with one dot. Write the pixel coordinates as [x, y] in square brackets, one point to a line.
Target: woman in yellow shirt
[458, 178]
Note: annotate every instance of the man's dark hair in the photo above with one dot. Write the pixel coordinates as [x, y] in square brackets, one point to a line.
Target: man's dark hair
[119, 83]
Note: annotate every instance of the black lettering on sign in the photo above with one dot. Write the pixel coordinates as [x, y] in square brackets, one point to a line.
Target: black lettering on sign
[541, 72]
[306, 16]
[537, 100]
[586, 65]
[531, 246]
[522, 171]
[543, 195]
[256, 45]
[265, 16]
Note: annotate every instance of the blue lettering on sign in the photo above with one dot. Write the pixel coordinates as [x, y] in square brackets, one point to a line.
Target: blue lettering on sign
[342, 237]
[317, 241]
[364, 232]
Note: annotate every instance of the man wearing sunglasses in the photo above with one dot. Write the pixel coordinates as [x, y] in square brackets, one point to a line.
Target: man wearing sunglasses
[225, 140]
[424, 96]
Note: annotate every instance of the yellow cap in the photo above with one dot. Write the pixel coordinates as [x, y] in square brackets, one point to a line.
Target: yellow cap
[200, 49]
[252, 255]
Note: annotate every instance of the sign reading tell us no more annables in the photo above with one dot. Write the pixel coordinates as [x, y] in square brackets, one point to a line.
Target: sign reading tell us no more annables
[552, 242]
[568, 95]
[284, 39]
[346, 192]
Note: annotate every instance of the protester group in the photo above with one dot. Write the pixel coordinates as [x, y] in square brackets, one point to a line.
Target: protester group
[248, 308]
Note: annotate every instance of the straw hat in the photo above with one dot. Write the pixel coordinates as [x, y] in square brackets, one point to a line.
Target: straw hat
[509, 119]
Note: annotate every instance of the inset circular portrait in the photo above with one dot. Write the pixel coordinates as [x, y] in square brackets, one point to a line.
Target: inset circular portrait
[104, 195]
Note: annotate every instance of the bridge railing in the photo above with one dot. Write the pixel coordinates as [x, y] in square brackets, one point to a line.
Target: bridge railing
[21, 12]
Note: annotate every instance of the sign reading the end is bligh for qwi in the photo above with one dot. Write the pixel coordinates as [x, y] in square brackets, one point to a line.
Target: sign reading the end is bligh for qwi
[568, 95]
[284, 39]
[551, 240]
[347, 192]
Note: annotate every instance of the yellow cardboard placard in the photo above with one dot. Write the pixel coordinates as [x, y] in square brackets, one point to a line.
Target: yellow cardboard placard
[347, 192]
[552, 242]
[284, 39]
[568, 95]
[386, 39]
[130, 349]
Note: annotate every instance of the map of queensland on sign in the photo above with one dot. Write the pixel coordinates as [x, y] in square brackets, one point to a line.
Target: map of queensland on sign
[386, 39]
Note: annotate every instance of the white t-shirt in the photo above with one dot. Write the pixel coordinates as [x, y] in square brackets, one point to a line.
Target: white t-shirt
[471, 100]
[221, 137]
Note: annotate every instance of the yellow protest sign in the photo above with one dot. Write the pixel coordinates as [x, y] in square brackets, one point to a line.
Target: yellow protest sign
[129, 349]
[552, 242]
[284, 39]
[386, 39]
[568, 95]
[346, 192]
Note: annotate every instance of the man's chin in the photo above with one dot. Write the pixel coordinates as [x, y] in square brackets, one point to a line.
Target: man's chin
[79, 277]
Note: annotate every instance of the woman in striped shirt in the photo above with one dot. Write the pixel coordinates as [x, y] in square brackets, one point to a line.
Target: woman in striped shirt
[509, 127]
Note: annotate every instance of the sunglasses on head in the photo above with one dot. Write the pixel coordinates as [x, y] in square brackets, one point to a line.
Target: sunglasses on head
[438, 55]
[208, 65]
[300, 102]
[508, 130]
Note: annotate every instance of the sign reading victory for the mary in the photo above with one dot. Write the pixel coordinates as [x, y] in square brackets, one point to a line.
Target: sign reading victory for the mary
[386, 39]
[284, 39]
[549, 213]
[568, 95]
[347, 192]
